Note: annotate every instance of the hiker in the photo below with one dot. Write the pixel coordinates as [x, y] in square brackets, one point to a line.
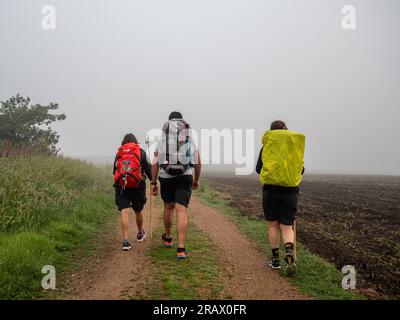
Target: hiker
[175, 160]
[130, 170]
[280, 165]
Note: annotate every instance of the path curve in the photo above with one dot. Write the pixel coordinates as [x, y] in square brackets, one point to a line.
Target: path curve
[248, 277]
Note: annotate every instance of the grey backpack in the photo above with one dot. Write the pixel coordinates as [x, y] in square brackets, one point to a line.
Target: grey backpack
[176, 143]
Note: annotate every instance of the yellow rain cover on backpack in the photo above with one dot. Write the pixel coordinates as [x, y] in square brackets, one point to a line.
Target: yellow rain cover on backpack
[282, 157]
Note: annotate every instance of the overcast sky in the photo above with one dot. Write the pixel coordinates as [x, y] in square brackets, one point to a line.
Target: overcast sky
[120, 66]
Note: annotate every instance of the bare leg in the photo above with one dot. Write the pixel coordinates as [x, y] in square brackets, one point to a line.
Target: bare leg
[139, 220]
[182, 222]
[273, 234]
[288, 238]
[168, 215]
[287, 233]
[125, 222]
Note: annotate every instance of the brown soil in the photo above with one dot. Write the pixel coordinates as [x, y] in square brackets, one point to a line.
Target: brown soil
[349, 220]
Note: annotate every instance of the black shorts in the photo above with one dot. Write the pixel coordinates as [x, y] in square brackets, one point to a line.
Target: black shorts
[281, 207]
[134, 198]
[177, 190]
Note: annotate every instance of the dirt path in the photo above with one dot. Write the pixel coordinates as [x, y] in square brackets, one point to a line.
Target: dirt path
[112, 274]
[247, 276]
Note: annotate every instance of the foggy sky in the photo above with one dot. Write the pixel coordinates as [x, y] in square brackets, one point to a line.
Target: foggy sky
[121, 66]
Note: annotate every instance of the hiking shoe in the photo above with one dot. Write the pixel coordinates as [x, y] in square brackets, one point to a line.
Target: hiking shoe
[141, 235]
[126, 245]
[181, 254]
[274, 263]
[167, 242]
[291, 267]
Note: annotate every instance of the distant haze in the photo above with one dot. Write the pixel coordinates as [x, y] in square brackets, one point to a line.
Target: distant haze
[120, 66]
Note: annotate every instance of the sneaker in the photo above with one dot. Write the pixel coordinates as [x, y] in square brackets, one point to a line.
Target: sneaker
[181, 254]
[167, 242]
[274, 263]
[291, 267]
[126, 245]
[141, 235]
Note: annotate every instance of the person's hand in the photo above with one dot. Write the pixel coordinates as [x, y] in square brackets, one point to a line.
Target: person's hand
[154, 189]
[195, 185]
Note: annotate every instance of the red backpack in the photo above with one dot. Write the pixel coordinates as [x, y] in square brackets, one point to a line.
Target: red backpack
[129, 172]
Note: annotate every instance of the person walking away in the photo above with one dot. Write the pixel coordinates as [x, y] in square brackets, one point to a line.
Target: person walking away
[176, 160]
[281, 165]
[130, 170]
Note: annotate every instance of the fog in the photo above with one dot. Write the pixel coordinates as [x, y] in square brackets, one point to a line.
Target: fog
[122, 66]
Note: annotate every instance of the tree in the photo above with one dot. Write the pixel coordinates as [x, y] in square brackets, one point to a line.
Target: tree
[25, 125]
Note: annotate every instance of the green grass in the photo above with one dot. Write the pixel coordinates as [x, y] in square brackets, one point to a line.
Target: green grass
[50, 206]
[315, 277]
[194, 278]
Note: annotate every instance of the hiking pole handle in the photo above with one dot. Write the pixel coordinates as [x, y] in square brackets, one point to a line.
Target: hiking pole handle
[151, 211]
[295, 240]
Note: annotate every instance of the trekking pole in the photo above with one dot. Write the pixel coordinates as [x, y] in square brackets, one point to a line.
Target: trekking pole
[151, 212]
[295, 241]
[151, 193]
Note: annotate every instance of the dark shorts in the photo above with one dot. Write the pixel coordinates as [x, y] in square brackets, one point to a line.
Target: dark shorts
[281, 207]
[177, 190]
[134, 198]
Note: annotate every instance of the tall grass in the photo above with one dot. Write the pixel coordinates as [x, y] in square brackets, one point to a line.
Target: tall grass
[35, 190]
[48, 207]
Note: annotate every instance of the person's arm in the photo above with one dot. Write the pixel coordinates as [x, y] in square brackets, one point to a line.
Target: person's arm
[197, 172]
[259, 162]
[145, 164]
[115, 169]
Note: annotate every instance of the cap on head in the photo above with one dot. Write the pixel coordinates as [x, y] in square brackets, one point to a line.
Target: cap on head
[175, 115]
[278, 125]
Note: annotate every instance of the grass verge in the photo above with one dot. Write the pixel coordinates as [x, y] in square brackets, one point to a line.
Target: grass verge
[316, 278]
[194, 278]
[63, 203]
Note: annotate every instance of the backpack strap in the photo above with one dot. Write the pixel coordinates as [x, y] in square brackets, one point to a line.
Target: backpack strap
[187, 137]
[187, 127]
[167, 141]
